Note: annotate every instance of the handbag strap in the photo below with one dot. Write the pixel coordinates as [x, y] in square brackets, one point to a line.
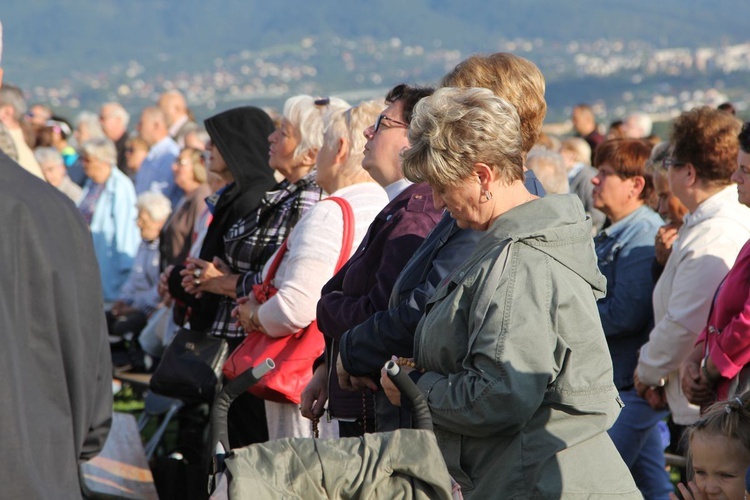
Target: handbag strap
[347, 240]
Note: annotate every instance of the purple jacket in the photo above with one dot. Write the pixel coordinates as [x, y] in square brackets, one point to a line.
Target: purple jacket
[363, 286]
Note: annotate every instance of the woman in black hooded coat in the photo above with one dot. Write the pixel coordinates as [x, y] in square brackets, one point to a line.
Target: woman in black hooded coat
[240, 137]
[239, 154]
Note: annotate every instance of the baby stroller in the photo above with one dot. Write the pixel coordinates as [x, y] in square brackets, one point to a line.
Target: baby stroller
[403, 464]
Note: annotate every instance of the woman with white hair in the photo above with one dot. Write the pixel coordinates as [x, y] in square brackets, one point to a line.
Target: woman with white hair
[87, 127]
[313, 248]
[510, 354]
[251, 241]
[54, 170]
[549, 168]
[139, 296]
[108, 205]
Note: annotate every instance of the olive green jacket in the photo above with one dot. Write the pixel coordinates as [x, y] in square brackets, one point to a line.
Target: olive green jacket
[518, 374]
[399, 465]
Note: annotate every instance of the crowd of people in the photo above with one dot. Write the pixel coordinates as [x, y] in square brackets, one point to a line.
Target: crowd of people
[569, 307]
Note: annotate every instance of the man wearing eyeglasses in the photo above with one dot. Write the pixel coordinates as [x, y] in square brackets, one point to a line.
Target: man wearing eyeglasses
[363, 286]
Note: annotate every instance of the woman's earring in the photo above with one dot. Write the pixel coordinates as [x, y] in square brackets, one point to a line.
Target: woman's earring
[487, 195]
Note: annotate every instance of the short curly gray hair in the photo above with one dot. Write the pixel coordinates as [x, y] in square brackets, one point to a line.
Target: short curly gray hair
[457, 127]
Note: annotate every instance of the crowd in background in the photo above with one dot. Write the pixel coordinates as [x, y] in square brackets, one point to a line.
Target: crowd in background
[637, 273]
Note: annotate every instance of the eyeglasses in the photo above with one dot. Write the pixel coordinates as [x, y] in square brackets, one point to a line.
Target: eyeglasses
[671, 161]
[322, 101]
[388, 118]
[182, 162]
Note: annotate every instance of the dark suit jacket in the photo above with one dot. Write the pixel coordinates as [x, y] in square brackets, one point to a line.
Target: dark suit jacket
[363, 286]
[56, 393]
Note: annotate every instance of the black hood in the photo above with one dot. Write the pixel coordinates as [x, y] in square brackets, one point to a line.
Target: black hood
[241, 135]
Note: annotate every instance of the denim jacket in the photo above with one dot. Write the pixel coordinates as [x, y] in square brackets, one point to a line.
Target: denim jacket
[625, 251]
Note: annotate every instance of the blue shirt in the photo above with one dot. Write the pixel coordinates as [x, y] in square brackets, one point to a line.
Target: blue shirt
[625, 251]
[140, 289]
[155, 173]
[114, 231]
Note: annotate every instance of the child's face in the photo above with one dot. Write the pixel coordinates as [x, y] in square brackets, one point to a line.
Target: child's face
[720, 465]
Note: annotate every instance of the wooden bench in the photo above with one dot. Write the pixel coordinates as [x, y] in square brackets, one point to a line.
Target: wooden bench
[137, 380]
[121, 469]
[675, 460]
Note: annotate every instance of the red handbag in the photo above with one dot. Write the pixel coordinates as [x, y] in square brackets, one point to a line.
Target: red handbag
[294, 354]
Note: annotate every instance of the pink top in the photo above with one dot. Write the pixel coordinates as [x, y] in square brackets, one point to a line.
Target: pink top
[727, 332]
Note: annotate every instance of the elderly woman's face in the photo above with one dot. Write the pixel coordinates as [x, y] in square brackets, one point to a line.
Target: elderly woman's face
[464, 203]
[383, 148]
[284, 140]
[182, 169]
[668, 206]
[216, 163]
[95, 169]
[54, 172]
[612, 193]
[149, 227]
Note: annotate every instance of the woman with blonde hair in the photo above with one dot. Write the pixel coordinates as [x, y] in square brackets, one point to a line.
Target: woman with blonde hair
[177, 234]
[510, 354]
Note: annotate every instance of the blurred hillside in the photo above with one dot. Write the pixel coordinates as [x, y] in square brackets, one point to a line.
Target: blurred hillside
[77, 53]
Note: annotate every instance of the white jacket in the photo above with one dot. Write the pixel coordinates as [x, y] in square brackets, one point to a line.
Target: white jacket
[707, 245]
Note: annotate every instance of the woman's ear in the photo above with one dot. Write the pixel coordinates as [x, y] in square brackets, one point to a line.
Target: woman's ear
[343, 151]
[638, 184]
[310, 156]
[691, 176]
[485, 173]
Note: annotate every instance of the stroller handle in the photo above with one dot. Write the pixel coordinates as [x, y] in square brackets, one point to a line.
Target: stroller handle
[229, 393]
[411, 395]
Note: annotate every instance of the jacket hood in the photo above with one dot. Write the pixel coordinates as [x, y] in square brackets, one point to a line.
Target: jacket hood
[241, 135]
[556, 225]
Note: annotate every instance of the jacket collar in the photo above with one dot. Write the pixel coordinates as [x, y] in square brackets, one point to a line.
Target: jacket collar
[712, 206]
[618, 227]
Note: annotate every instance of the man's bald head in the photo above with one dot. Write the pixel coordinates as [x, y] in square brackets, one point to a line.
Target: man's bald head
[153, 125]
[173, 105]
